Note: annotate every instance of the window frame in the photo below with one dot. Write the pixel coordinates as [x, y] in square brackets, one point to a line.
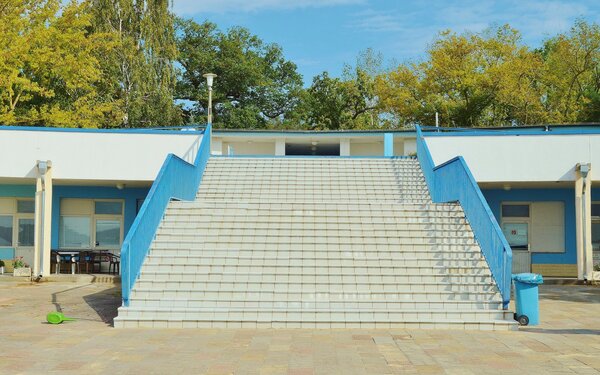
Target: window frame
[594, 220]
[12, 230]
[93, 217]
[517, 220]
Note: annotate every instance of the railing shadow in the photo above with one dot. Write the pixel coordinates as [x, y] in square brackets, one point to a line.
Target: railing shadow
[104, 303]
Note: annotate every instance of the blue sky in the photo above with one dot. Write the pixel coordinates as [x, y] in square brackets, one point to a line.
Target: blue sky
[322, 35]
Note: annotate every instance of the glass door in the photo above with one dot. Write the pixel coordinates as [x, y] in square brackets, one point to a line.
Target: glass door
[517, 235]
[25, 237]
[108, 233]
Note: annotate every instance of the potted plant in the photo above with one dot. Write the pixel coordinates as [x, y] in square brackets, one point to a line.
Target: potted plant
[21, 268]
[596, 273]
[1, 267]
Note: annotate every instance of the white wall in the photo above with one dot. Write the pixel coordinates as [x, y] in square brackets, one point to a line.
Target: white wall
[252, 148]
[526, 158]
[92, 155]
[366, 149]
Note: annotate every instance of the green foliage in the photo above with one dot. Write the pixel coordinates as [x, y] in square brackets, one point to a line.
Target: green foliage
[138, 71]
[111, 63]
[255, 83]
[48, 65]
[486, 79]
[491, 79]
[18, 262]
[349, 102]
[572, 74]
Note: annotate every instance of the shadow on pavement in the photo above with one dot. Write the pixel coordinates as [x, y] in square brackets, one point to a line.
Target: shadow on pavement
[573, 331]
[104, 303]
[575, 293]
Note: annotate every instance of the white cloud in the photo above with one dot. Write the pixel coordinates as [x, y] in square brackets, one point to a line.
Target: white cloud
[376, 21]
[407, 30]
[192, 7]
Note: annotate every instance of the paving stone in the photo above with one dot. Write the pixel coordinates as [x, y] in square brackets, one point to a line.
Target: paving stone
[567, 341]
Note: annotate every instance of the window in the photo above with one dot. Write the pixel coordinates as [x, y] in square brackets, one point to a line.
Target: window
[515, 210]
[537, 227]
[108, 233]
[517, 235]
[548, 227]
[596, 228]
[25, 206]
[75, 231]
[86, 223]
[108, 208]
[26, 232]
[6, 230]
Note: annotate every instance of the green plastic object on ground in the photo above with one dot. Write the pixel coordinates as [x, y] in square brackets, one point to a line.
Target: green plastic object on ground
[57, 318]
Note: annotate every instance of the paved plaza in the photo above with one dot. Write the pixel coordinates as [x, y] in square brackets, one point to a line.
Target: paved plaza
[567, 341]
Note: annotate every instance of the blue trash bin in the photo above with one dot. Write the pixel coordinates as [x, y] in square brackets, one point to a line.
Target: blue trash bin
[527, 298]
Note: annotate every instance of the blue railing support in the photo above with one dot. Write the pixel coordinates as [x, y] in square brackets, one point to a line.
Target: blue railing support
[452, 181]
[177, 179]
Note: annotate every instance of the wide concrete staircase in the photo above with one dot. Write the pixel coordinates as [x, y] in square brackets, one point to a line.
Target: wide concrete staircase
[314, 242]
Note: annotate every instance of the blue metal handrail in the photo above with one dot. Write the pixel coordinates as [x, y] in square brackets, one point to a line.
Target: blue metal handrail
[452, 181]
[177, 179]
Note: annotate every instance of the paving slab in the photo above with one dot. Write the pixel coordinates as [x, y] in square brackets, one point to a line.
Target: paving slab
[567, 341]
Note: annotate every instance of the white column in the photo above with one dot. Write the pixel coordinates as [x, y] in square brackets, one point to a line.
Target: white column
[47, 224]
[344, 147]
[37, 225]
[280, 147]
[583, 224]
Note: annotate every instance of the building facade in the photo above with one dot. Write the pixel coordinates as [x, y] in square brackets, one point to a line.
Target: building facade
[82, 189]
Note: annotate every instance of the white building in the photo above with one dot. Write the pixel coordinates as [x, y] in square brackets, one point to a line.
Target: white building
[77, 190]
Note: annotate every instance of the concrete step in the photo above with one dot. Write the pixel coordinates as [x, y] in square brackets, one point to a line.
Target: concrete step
[497, 325]
[265, 294]
[314, 242]
[360, 302]
[318, 277]
[308, 286]
[310, 315]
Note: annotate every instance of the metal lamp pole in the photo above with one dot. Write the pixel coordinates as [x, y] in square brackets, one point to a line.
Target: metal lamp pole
[209, 82]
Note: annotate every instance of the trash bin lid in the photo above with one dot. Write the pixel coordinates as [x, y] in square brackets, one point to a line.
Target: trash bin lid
[528, 278]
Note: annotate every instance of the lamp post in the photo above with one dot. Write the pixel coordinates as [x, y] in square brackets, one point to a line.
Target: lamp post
[209, 82]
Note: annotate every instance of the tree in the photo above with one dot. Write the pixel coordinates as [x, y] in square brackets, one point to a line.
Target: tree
[485, 79]
[48, 66]
[572, 74]
[138, 71]
[255, 83]
[349, 102]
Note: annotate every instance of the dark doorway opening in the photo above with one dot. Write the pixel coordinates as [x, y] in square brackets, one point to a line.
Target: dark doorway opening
[309, 149]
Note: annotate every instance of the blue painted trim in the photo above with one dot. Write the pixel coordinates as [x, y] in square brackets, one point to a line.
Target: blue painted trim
[388, 144]
[425, 160]
[308, 157]
[17, 191]
[309, 133]
[452, 181]
[177, 179]
[488, 132]
[7, 253]
[88, 130]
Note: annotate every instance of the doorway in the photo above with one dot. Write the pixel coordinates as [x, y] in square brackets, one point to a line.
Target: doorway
[312, 149]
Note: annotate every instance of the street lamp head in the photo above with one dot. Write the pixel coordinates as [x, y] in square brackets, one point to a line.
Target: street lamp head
[209, 78]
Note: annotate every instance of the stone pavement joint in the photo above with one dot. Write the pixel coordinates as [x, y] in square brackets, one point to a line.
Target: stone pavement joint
[567, 341]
